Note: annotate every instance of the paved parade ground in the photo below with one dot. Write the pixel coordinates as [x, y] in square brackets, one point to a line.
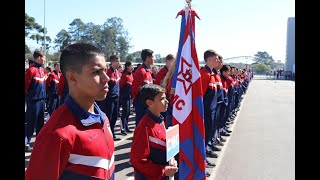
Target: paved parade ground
[261, 146]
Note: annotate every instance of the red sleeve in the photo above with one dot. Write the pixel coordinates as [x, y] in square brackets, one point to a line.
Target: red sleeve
[140, 152]
[49, 79]
[49, 158]
[228, 83]
[137, 82]
[61, 85]
[123, 80]
[204, 82]
[28, 77]
[160, 76]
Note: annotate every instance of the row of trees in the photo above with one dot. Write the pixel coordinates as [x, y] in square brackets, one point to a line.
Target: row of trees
[265, 62]
[112, 38]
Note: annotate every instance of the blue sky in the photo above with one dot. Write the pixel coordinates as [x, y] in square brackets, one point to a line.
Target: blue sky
[231, 27]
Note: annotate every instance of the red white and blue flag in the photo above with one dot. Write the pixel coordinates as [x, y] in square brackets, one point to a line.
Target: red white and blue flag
[188, 103]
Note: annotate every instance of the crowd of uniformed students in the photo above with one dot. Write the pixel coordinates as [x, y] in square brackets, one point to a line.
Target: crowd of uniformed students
[223, 87]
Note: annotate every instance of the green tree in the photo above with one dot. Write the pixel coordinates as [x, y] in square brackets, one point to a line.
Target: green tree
[76, 29]
[263, 57]
[92, 33]
[110, 37]
[36, 32]
[26, 49]
[157, 58]
[30, 27]
[114, 38]
[261, 68]
[62, 40]
[134, 57]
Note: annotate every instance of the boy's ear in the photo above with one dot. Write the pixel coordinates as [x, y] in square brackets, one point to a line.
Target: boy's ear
[149, 102]
[70, 75]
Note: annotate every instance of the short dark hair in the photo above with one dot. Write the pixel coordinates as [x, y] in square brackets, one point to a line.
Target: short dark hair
[225, 68]
[209, 53]
[77, 55]
[169, 57]
[37, 54]
[149, 92]
[146, 53]
[49, 68]
[54, 65]
[220, 57]
[113, 58]
[127, 64]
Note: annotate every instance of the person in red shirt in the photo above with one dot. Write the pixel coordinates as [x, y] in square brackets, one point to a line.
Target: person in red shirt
[209, 89]
[76, 142]
[35, 95]
[166, 83]
[154, 72]
[141, 77]
[225, 109]
[163, 71]
[52, 88]
[111, 103]
[125, 96]
[148, 149]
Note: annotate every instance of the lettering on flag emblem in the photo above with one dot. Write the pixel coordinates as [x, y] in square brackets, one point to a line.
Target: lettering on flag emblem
[185, 75]
[182, 102]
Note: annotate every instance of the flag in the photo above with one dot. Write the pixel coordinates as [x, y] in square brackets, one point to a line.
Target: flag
[188, 103]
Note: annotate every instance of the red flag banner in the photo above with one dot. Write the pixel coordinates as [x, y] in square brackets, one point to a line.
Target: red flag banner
[188, 103]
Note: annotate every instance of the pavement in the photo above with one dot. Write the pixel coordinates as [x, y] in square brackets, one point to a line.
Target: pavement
[261, 145]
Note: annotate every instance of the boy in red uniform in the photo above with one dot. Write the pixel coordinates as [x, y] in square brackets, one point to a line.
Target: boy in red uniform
[141, 77]
[163, 71]
[125, 96]
[35, 95]
[52, 83]
[209, 89]
[76, 143]
[110, 105]
[148, 149]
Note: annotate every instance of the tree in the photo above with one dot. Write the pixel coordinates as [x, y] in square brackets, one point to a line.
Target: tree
[26, 49]
[92, 33]
[157, 58]
[263, 57]
[114, 39]
[135, 57]
[261, 68]
[123, 46]
[34, 31]
[76, 29]
[110, 37]
[62, 40]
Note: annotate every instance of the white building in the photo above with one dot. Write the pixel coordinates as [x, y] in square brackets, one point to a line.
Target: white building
[290, 52]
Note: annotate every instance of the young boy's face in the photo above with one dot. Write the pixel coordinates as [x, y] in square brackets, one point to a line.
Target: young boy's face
[160, 103]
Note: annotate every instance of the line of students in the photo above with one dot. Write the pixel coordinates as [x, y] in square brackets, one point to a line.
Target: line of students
[222, 88]
[73, 138]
